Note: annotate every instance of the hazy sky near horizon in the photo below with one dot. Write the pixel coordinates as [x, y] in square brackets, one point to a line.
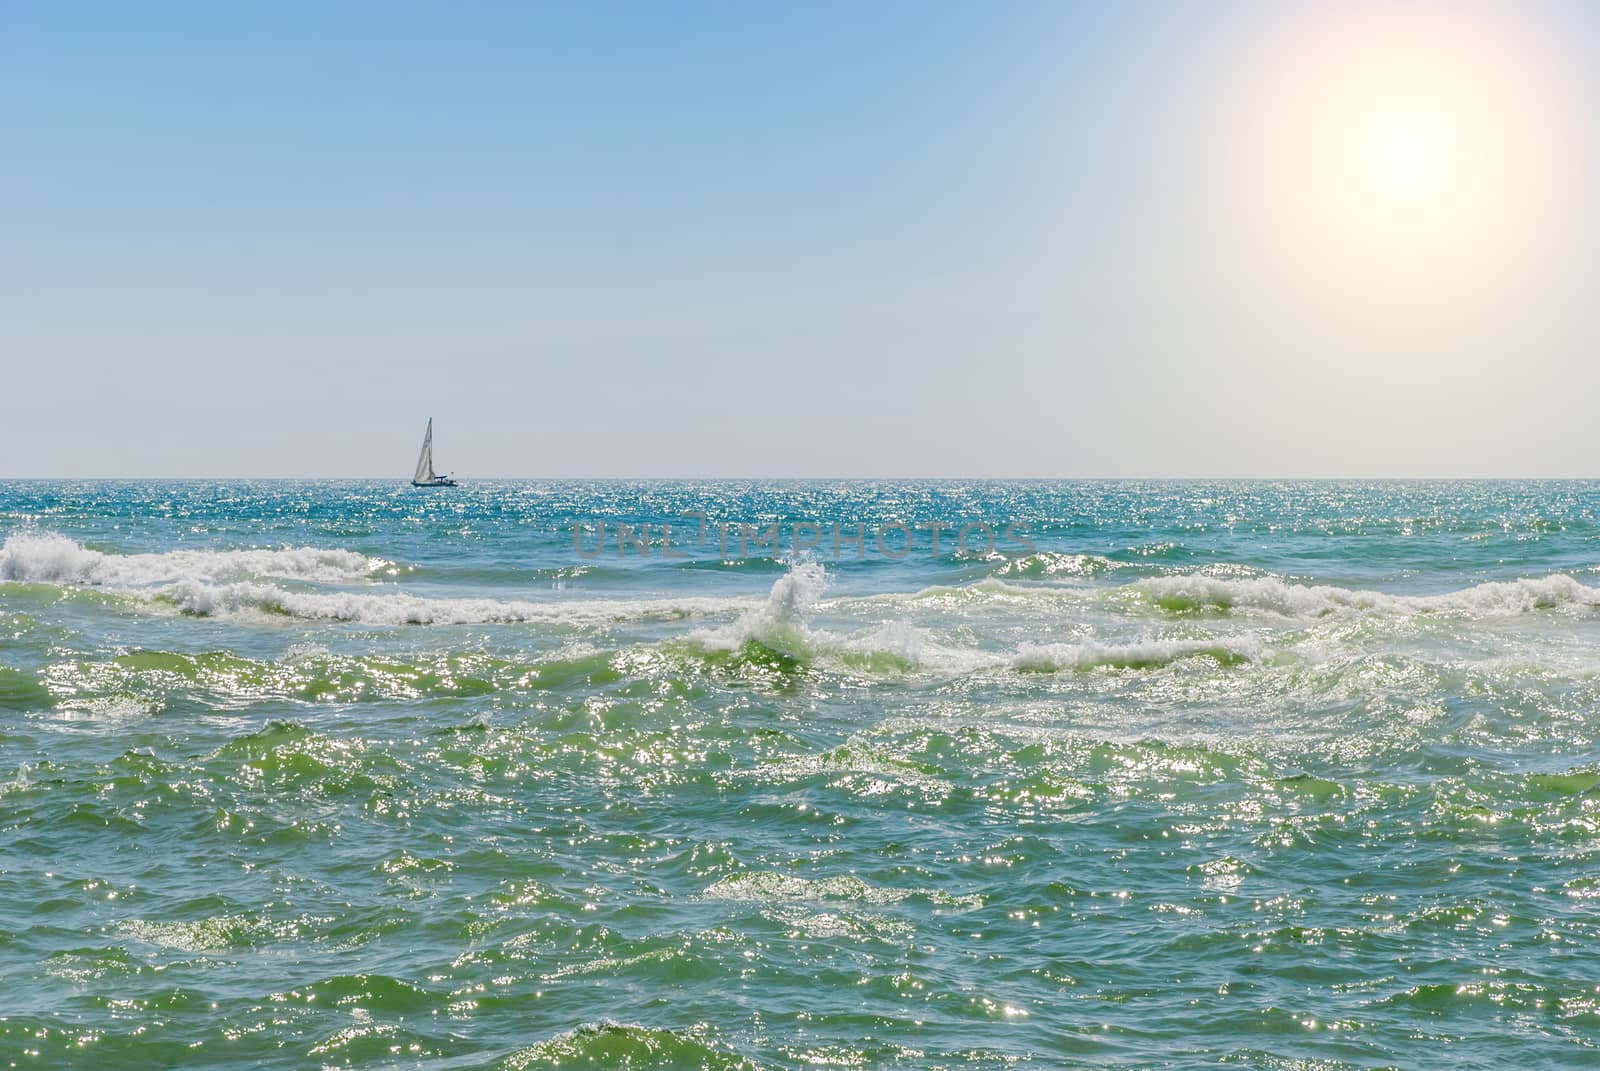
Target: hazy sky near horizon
[829, 239]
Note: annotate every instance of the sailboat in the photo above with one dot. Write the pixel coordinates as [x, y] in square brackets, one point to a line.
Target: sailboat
[425, 476]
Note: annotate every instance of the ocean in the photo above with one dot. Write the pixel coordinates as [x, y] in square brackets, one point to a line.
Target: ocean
[1279, 775]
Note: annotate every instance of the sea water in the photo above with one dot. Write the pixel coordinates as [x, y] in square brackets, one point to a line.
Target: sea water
[518, 774]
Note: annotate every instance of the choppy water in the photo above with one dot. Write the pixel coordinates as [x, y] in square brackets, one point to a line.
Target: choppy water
[1255, 775]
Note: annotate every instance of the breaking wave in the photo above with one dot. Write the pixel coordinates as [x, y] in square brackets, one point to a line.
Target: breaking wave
[1140, 654]
[780, 622]
[1200, 593]
[781, 626]
[43, 557]
[240, 583]
[399, 608]
[226, 583]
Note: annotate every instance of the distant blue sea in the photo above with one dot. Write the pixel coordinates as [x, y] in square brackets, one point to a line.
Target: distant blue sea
[1124, 775]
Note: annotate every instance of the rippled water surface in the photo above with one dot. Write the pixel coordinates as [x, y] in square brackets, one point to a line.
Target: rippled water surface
[1180, 775]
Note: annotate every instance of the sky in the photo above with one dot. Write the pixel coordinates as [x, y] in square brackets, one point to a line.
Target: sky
[823, 239]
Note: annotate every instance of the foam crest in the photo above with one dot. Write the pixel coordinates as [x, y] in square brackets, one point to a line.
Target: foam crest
[399, 608]
[896, 647]
[778, 624]
[1053, 657]
[1197, 592]
[782, 624]
[44, 557]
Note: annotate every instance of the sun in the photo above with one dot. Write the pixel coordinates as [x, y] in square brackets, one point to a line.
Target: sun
[1391, 150]
[1407, 157]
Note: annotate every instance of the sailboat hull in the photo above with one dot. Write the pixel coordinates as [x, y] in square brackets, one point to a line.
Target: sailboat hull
[437, 481]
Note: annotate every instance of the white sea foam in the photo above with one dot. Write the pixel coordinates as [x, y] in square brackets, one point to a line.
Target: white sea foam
[918, 649]
[43, 557]
[401, 608]
[237, 583]
[780, 622]
[227, 583]
[1050, 657]
[1493, 599]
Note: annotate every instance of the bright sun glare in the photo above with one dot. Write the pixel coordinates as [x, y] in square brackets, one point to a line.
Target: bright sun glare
[1407, 157]
[1415, 146]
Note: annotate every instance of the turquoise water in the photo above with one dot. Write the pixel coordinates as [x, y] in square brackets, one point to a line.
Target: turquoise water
[1262, 775]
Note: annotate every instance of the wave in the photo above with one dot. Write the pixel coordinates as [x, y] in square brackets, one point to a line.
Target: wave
[222, 583]
[1197, 593]
[1224, 590]
[1141, 654]
[21, 691]
[778, 623]
[629, 1045]
[1049, 564]
[239, 583]
[400, 608]
[781, 626]
[900, 648]
[44, 557]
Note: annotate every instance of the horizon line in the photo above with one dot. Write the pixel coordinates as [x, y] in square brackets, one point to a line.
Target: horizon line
[467, 480]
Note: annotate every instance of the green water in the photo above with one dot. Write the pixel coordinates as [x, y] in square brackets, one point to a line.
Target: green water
[1246, 775]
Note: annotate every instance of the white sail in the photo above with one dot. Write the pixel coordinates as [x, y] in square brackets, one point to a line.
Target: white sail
[425, 460]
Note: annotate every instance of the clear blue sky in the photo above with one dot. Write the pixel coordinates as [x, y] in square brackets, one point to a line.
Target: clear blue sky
[838, 239]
